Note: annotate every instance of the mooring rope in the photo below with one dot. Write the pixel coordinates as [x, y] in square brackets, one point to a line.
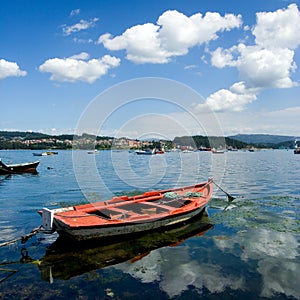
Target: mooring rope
[23, 238]
[10, 271]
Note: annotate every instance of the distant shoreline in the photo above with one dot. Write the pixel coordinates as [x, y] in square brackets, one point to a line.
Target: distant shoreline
[14, 140]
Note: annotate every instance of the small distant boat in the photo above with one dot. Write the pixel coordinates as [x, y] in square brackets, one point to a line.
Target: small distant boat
[45, 153]
[93, 151]
[187, 151]
[204, 148]
[217, 151]
[145, 152]
[18, 168]
[39, 154]
[297, 148]
[128, 215]
[231, 149]
[159, 151]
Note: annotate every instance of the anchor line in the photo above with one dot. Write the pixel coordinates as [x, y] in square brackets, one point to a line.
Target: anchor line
[23, 238]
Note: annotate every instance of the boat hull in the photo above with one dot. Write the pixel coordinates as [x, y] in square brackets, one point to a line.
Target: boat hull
[18, 168]
[144, 152]
[114, 231]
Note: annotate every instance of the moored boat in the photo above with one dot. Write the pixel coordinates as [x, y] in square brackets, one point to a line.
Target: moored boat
[218, 151]
[187, 151]
[44, 153]
[297, 148]
[145, 152]
[51, 153]
[125, 215]
[29, 167]
[204, 148]
[39, 154]
[159, 151]
[93, 151]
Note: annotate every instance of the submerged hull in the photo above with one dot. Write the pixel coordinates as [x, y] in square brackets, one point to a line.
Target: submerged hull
[18, 168]
[124, 215]
[58, 262]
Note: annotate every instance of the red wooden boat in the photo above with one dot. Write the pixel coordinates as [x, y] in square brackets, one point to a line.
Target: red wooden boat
[128, 215]
[18, 168]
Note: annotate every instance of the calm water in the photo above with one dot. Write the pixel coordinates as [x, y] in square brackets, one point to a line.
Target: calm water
[246, 250]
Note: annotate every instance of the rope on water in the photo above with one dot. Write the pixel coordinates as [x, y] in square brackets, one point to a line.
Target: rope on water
[23, 238]
[9, 271]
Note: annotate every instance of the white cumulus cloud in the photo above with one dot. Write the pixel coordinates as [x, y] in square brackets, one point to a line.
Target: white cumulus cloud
[263, 67]
[78, 68]
[173, 35]
[278, 29]
[233, 99]
[267, 64]
[10, 69]
[221, 58]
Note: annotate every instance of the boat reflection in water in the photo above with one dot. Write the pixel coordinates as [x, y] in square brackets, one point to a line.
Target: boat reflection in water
[64, 260]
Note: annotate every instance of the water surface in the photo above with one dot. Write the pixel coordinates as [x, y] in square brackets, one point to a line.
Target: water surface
[247, 249]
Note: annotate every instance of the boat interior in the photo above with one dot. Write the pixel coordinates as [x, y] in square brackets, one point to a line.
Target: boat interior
[125, 210]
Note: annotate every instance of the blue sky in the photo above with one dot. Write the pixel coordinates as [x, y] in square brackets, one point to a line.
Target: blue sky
[240, 57]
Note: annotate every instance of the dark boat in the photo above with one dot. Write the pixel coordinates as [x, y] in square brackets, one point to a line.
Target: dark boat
[204, 148]
[18, 168]
[64, 260]
[93, 151]
[38, 154]
[128, 215]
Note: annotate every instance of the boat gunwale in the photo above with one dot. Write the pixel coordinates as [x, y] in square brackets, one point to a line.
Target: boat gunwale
[125, 223]
[34, 163]
[135, 199]
[115, 222]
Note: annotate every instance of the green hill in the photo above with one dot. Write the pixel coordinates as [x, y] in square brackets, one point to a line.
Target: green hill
[265, 139]
[198, 141]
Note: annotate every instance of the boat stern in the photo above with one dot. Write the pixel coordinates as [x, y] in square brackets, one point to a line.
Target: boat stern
[49, 225]
[47, 220]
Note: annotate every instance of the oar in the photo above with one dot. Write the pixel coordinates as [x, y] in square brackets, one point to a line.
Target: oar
[230, 198]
